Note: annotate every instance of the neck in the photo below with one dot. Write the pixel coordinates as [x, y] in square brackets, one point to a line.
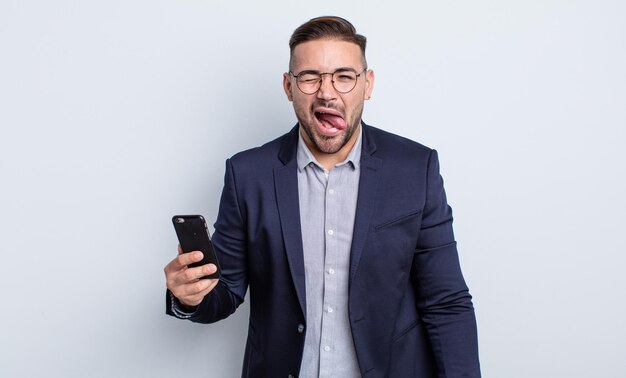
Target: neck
[329, 160]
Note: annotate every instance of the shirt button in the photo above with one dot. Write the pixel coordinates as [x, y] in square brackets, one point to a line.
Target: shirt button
[331, 191]
[330, 232]
[300, 328]
[326, 348]
[329, 309]
[331, 271]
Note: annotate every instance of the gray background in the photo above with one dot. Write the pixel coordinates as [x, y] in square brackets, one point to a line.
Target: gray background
[116, 115]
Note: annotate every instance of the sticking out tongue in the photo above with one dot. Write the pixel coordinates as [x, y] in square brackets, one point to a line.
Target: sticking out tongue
[331, 120]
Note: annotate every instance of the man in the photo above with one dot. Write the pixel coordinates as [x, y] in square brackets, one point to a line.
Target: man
[342, 232]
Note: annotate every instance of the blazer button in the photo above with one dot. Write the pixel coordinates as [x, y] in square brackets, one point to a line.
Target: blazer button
[300, 328]
[290, 376]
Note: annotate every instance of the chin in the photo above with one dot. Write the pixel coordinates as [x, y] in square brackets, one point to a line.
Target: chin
[330, 144]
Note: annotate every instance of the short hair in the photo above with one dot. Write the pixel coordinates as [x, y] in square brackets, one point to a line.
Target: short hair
[327, 27]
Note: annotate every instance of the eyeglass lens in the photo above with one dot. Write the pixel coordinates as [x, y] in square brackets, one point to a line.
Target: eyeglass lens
[343, 81]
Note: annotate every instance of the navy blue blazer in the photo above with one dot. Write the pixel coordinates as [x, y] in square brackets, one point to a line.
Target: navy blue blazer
[410, 310]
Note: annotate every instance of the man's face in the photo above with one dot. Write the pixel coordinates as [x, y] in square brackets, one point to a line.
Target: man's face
[328, 118]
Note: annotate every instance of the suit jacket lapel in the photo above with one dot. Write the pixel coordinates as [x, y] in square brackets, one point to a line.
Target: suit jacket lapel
[368, 189]
[286, 186]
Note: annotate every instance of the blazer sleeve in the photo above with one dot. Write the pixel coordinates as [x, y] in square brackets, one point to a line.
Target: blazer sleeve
[229, 242]
[442, 295]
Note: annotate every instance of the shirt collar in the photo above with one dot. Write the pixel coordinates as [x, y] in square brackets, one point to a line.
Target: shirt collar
[304, 156]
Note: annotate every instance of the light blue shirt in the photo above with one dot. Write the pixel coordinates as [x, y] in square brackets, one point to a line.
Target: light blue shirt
[327, 211]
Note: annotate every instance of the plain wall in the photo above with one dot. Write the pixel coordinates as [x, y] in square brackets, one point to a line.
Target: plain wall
[116, 115]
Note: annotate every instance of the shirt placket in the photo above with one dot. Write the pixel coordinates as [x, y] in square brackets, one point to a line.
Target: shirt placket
[329, 315]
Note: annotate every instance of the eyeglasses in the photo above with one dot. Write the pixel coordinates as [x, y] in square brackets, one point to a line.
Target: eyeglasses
[343, 80]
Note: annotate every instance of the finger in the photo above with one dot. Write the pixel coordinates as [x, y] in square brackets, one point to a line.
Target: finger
[198, 290]
[193, 274]
[172, 266]
[180, 250]
[181, 261]
[179, 281]
[212, 284]
[189, 258]
[193, 293]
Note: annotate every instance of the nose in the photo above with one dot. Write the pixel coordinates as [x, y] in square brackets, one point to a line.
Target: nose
[327, 90]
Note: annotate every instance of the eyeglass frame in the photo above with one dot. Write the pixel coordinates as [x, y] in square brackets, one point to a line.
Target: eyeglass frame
[344, 69]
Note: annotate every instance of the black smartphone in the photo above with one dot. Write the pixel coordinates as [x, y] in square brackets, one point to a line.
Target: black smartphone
[193, 235]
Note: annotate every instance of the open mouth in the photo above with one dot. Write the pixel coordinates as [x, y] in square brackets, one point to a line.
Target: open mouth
[330, 122]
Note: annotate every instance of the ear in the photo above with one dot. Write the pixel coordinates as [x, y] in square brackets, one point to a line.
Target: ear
[369, 84]
[287, 86]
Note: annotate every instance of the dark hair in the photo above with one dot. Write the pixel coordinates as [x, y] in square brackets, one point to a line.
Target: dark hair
[327, 27]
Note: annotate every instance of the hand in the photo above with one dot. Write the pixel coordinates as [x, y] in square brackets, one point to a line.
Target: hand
[184, 282]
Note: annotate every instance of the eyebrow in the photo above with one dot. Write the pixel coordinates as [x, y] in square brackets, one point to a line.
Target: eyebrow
[340, 69]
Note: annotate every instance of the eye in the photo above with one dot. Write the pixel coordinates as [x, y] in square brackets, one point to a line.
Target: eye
[344, 77]
[308, 78]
